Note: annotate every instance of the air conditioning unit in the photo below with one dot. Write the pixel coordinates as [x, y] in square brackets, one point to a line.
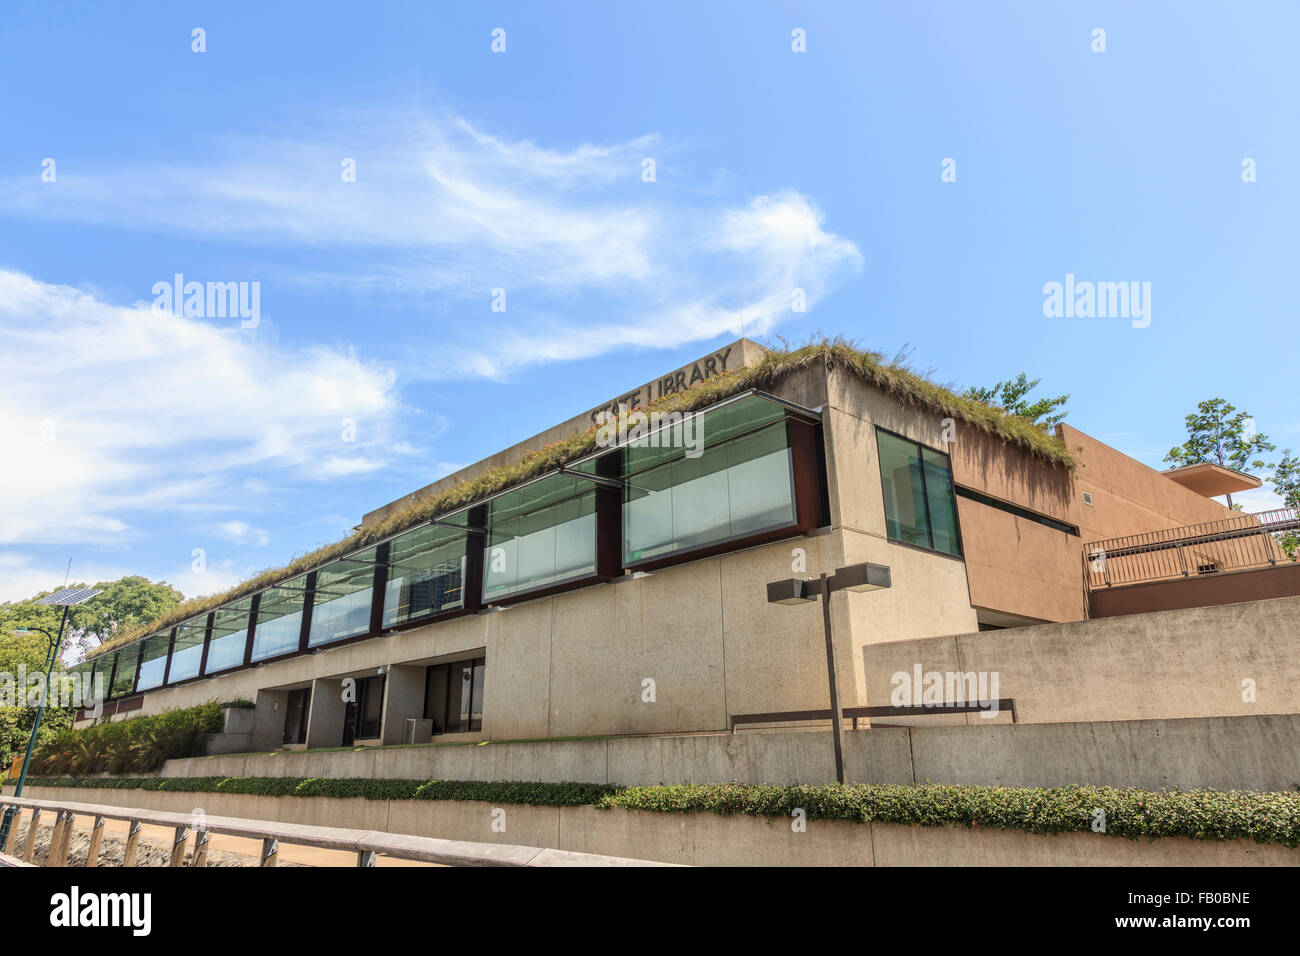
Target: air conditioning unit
[417, 731]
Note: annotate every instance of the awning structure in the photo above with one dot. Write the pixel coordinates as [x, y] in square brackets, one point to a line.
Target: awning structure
[1211, 480]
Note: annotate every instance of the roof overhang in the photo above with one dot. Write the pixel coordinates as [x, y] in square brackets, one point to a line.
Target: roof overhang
[1211, 480]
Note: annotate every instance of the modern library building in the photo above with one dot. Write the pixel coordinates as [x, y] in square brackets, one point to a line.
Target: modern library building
[608, 576]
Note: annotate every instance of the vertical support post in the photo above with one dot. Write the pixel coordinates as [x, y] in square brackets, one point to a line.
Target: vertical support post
[365, 858]
[200, 857]
[207, 641]
[11, 841]
[171, 649]
[379, 587]
[253, 607]
[178, 845]
[270, 850]
[837, 717]
[31, 836]
[59, 839]
[96, 839]
[308, 606]
[132, 844]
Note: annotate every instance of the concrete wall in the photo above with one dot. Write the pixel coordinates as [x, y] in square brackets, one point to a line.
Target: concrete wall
[1184, 663]
[1243, 753]
[702, 839]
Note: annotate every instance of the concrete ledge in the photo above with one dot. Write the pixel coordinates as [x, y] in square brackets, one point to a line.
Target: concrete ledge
[704, 839]
[1223, 753]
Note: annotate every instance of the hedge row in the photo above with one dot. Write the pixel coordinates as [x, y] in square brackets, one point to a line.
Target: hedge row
[137, 744]
[1129, 813]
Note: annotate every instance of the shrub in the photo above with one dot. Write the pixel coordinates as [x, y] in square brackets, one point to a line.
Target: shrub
[135, 745]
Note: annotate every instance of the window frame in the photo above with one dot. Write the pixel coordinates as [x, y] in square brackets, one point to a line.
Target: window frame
[921, 448]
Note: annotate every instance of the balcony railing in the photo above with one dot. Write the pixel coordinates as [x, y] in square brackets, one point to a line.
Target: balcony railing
[1238, 543]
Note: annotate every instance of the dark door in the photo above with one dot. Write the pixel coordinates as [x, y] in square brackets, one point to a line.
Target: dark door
[349, 723]
[295, 717]
[363, 717]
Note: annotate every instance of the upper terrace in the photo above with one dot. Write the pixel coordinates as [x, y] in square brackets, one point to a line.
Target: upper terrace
[1219, 562]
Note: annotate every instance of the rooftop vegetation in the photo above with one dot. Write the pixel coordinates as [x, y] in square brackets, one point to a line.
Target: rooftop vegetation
[891, 376]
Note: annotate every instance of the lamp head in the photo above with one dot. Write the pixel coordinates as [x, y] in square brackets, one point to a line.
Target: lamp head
[789, 591]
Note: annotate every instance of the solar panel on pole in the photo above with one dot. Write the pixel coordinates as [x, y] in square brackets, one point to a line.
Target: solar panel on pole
[67, 597]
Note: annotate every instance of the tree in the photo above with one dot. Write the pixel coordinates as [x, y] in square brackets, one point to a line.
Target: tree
[1216, 435]
[127, 602]
[1286, 482]
[1010, 397]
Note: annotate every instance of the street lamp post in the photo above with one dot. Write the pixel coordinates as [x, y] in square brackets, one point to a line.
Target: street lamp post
[855, 577]
[65, 598]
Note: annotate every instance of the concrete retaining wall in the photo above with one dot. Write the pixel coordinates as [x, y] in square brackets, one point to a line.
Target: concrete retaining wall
[1183, 663]
[1226, 753]
[703, 839]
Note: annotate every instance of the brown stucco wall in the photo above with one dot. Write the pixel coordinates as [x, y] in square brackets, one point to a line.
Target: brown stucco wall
[1021, 567]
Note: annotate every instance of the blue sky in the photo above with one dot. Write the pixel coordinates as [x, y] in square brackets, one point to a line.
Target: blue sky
[377, 363]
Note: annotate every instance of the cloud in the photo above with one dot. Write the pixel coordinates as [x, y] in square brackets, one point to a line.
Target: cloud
[109, 410]
[591, 257]
[241, 532]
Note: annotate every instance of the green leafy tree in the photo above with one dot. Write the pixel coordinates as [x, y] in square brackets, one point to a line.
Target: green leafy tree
[1286, 482]
[1012, 397]
[124, 603]
[1216, 435]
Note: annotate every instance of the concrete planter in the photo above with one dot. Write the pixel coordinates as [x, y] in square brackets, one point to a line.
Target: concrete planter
[702, 839]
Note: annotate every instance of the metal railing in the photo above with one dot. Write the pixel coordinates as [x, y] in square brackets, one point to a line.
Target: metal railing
[1238, 543]
[364, 844]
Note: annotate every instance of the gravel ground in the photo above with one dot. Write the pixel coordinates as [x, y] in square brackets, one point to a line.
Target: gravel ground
[112, 850]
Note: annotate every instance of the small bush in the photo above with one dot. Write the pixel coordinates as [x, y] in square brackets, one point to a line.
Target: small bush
[135, 745]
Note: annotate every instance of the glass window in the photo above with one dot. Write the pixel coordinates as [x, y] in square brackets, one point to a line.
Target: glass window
[920, 507]
[187, 652]
[279, 619]
[454, 696]
[124, 678]
[539, 535]
[153, 666]
[942, 502]
[739, 487]
[426, 574]
[342, 599]
[229, 636]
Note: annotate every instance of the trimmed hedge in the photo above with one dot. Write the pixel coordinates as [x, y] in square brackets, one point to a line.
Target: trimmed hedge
[1128, 813]
[138, 744]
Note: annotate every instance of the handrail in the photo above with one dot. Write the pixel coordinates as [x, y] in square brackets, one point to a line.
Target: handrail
[1239, 542]
[366, 844]
[883, 710]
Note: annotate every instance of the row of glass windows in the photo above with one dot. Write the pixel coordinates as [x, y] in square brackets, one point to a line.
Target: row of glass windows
[733, 480]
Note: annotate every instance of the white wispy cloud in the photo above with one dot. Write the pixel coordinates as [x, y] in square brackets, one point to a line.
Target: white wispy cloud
[111, 410]
[591, 257]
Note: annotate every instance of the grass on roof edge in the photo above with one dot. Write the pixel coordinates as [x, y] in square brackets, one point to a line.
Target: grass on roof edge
[902, 383]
